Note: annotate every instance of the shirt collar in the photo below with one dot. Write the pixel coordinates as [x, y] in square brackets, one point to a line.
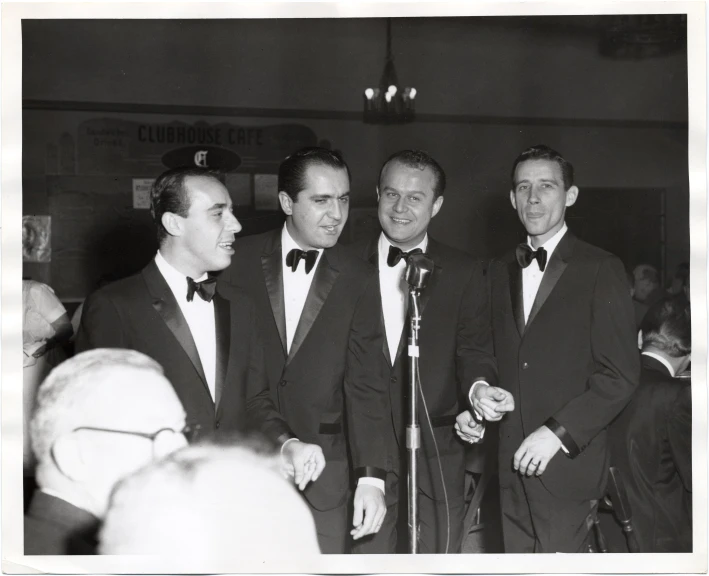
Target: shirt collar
[660, 359]
[289, 244]
[551, 244]
[384, 245]
[175, 279]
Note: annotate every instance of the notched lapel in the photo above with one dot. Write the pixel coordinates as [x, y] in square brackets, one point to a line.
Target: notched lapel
[371, 254]
[514, 273]
[324, 279]
[555, 268]
[222, 322]
[273, 275]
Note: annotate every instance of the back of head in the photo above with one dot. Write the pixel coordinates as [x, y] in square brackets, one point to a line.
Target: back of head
[181, 506]
[543, 152]
[420, 160]
[293, 170]
[667, 327]
[168, 194]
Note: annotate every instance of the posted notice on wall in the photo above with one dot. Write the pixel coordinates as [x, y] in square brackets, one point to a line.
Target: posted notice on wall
[141, 192]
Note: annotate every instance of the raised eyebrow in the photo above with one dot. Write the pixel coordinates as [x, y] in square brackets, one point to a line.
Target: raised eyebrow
[215, 207]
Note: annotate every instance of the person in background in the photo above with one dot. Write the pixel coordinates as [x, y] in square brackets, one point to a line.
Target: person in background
[647, 284]
[680, 281]
[456, 350]
[565, 341]
[202, 331]
[639, 308]
[651, 440]
[45, 329]
[319, 316]
[221, 504]
[100, 416]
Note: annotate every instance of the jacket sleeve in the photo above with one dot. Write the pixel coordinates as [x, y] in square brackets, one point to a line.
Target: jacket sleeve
[475, 358]
[261, 412]
[101, 325]
[616, 362]
[366, 386]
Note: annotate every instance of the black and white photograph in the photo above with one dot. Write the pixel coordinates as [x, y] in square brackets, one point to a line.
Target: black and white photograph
[354, 288]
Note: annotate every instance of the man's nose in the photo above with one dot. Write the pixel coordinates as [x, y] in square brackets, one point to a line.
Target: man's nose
[335, 211]
[399, 205]
[533, 197]
[233, 225]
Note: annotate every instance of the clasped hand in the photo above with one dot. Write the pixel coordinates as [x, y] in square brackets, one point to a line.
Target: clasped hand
[304, 462]
[491, 402]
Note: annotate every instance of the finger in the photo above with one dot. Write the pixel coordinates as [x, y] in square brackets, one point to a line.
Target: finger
[532, 467]
[298, 468]
[524, 463]
[308, 470]
[517, 459]
[319, 465]
[379, 518]
[368, 523]
[542, 466]
[358, 512]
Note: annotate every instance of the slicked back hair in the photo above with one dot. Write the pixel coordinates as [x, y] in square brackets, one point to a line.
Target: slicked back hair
[292, 173]
[420, 160]
[168, 194]
[543, 152]
[667, 326]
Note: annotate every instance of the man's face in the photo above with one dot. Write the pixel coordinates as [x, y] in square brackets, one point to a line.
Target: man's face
[207, 233]
[406, 203]
[133, 401]
[316, 219]
[540, 198]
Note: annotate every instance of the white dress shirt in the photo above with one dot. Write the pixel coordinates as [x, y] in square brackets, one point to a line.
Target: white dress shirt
[199, 316]
[532, 275]
[296, 285]
[394, 290]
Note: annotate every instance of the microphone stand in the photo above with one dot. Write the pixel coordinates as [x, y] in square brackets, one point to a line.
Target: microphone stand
[413, 431]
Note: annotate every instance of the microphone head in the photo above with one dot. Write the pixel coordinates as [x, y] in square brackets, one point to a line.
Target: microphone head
[418, 268]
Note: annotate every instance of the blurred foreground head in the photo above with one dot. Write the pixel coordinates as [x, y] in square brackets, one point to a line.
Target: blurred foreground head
[227, 503]
[100, 416]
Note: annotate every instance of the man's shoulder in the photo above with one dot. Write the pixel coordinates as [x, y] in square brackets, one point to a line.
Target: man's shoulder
[450, 254]
[347, 260]
[591, 253]
[125, 289]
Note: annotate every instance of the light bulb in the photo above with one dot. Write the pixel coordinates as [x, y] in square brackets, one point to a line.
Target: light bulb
[369, 93]
[412, 94]
[392, 90]
[388, 96]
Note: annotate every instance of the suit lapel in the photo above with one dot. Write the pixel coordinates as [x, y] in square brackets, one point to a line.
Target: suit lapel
[434, 253]
[272, 265]
[516, 295]
[324, 279]
[222, 321]
[169, 310]
[555, 268]
[371, 254]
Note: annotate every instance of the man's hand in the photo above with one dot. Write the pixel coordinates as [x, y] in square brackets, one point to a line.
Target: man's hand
[492, 402]
[467, 428]
[303, 461]
[369, 511]
[536, 451]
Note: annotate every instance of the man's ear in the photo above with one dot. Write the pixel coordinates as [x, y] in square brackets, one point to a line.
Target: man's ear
[513, 200]
[378, 194]
[571, 195]
[437, 206]
[172, 223]
[286, 202]
[66, 453]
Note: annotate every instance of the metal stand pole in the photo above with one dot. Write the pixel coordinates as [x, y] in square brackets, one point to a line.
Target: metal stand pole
[413, 432]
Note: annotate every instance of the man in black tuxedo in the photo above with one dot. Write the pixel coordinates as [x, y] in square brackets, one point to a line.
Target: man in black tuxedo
[566, 348]
[319, 318]
[200, 330]
[455, 344]
[651, 440]
[100, 416]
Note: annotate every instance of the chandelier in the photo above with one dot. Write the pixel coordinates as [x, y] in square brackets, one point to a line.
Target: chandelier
[389, 104]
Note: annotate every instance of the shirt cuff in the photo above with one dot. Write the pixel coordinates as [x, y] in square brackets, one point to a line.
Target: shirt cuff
[470, 398]
[286, 442]
[372, 482]
[568, 445]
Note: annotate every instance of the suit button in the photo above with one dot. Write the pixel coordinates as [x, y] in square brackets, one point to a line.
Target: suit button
[525, 365]
[393, 379]
[217, 424]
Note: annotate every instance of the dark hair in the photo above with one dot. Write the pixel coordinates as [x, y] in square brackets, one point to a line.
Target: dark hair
[648, 272]
[421, 160]
[168, 194]
[667, 326]
[292, 171]
[542, 152]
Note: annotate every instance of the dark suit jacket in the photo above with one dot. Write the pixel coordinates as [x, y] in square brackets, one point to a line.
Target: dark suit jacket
[455, 350]
[576, 361]
[55, 527]
[651, 445]
[332, 363]
[141, 313]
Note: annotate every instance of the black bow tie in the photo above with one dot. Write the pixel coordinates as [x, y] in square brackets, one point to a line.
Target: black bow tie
[397, 254]
[525, 255]
[296, 255]
[205, 289]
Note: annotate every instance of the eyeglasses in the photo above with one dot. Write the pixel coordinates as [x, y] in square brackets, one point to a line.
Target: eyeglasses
[190, 431]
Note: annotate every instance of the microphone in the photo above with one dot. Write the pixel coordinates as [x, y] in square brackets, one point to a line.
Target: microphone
[418, 268]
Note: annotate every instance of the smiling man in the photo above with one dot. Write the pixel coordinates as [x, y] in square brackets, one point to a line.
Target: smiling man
[566, 348]
[455, 343]
[323, 338]
[201, 331]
